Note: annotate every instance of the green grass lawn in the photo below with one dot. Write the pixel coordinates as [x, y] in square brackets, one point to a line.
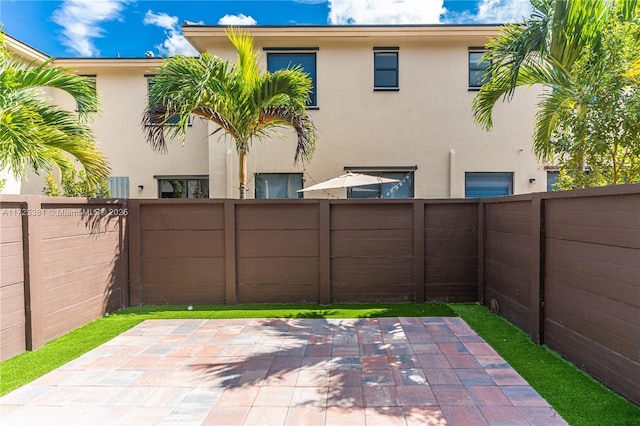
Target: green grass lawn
[578, 398]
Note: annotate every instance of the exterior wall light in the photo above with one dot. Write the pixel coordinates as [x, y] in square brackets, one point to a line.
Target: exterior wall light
[532, 181]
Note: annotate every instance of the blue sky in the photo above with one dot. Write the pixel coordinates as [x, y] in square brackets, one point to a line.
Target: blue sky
[130, 28]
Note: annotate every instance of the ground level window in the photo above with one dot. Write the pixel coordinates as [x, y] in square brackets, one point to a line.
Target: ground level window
[183, 187]
[119, 186]
[404, 188]
[278, 185]
[552, 178]
[488, 184]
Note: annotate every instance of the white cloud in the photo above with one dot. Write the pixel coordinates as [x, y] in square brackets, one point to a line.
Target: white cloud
[237, 20]
[175, 43]
[80, 20]
[494, 12]
[389, 12]
[161, 20]
[501, 11]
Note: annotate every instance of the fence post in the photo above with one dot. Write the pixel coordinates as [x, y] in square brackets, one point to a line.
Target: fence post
[324, 215]
[231, 297]
[482, 239]
[537, 270]
[32, 257]
[418, 252]
[135, 253]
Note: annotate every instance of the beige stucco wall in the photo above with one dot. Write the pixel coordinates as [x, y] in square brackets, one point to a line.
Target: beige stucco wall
[122, 89]
[427, 123]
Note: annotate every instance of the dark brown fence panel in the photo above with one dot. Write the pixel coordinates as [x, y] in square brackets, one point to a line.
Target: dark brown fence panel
[277, 248]
[592, 287]
[12, 297]
[82, 250]
[182, 253]
[372, 252]
[451, 252]
[507, 263]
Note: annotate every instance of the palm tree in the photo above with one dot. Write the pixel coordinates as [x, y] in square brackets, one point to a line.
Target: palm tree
[243, 102]
[542, 50]
[34, 134]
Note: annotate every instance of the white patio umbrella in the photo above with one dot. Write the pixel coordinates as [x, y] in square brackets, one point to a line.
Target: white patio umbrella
[348, 180]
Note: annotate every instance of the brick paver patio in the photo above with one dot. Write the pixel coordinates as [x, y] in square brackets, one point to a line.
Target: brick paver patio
[378, 371]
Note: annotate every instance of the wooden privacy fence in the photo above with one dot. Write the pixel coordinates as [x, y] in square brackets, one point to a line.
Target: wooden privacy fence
[302, 251]
[63, 264]
[564, 267]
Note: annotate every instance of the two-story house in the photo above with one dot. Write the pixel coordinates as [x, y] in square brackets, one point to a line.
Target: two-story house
[393, 101]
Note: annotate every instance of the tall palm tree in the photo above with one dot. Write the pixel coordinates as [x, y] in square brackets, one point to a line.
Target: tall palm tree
[542, 50]
[37, 135]
[242, 101]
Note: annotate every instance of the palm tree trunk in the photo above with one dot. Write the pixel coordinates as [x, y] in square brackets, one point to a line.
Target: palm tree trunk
[243, 173]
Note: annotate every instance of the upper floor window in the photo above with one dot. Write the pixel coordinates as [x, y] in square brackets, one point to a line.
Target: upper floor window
[284, 58]
[477, 68]
[156, 120]
[385, 68]
[278, 185]
[402, 188]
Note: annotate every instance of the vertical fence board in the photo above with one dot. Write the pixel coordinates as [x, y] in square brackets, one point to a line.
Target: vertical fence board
[12, 292]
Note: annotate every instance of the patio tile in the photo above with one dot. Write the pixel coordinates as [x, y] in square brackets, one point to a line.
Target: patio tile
[238, 397]
[345, 350]
[456, 348]
[313, 378]
[450, 395]
[309, 396]
[282, 377]
[433, 361]
[344, 416]
[502, 415]
[414, 371]
[320, 349]
[377, 377]
[274, 396]
[463, 416]
[424, 416]
[136, 416]
[347, 396]
[416, 396]
[409, 377]
[266, 416]
[384, 416]
[226, 416]
[492, 361]
[488, 395]
[524, 396]
[542, 416]
[426, 348]
[305, 416]
[441, 376]
[286, 362]
[462, 361]
[506, 376]
[404, 361]
[374, 361]
[380, 396]
[343, 378]
[480, 349]
[166, 397]
[474, 376]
